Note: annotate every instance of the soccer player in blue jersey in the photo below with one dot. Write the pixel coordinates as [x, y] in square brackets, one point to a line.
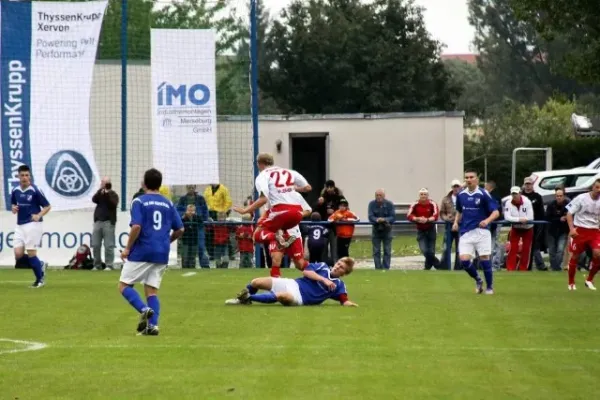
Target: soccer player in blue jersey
[30, 205]
[476, 209]
[155, 224]
[318, 283]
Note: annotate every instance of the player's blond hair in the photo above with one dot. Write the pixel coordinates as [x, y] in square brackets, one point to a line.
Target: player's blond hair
[349, 262]
[265, 159]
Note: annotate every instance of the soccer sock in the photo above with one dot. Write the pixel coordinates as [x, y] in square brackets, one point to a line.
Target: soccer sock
[263, 236]
[154, 304]
[468, 266]
[251, 289]
[593, 270]
[572, 269]
[36, 266]
[24, 260]
[266, 298]
[275, 272]
[488, 273]
[132, 296]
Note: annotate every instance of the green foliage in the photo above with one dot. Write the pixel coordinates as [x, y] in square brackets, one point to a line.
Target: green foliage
[518, 62]
[474, 98]
[334, 56]
[577, 22]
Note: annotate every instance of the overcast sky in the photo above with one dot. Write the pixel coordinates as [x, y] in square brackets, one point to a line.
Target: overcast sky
[446, 20]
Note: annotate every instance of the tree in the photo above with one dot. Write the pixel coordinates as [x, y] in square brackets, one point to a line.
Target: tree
[333, 56]
[518, 63]
[474, 98]
[577, 22]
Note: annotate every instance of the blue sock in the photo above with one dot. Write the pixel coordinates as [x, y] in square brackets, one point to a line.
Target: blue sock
[468, 266]
[36, 266]
[132, 296]
[154, 304]
[486, 265]
[267, 298]
[251, 289]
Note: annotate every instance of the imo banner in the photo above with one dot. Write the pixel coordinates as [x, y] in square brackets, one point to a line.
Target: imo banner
[47, 53]
[184, 122]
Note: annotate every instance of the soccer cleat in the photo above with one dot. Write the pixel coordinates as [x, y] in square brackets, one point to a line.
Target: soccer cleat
[233, 302]
[144, 317]
[37, 285]
[590, 285]
[150, 330]
[244, 296]
[489, 291]
[479, 287]
[44, 267]
[572, 287]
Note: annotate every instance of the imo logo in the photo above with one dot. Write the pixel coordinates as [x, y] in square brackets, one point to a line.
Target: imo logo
[69, 174]
[182, 95]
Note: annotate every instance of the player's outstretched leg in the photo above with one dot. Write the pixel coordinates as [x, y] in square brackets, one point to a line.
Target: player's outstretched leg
[134, 299]
[262, 235]
[467, 265]
[573, 270]
[250, 293]
[37, 267]
[488, 275]
[589, 282]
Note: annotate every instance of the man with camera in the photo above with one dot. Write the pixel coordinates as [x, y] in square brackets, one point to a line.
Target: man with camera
[105, 219]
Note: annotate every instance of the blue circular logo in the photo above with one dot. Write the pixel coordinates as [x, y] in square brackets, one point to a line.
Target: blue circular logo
[69, 174]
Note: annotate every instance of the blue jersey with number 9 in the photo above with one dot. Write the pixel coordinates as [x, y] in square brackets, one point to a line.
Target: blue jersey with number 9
[157, 217]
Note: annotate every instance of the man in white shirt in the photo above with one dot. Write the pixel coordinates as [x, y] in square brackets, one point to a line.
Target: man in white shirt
[583, 218]
[519, 210]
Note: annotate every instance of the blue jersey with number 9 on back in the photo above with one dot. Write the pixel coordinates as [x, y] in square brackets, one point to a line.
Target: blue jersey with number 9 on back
[157, 217]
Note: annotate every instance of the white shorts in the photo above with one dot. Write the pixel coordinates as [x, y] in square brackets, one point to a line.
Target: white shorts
[287, 285]
[147, 273]
[476, 241]
[28, 236]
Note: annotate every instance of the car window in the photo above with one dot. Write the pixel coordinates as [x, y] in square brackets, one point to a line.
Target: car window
[584, 180]
[552, 182]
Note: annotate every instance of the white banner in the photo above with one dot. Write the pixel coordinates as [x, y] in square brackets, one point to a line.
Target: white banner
[184, 105]
[63, 233]
[48, 51]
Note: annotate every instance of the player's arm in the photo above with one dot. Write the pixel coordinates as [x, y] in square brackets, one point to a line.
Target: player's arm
[44, 203]
[13, 202]
[136, 226]
[342, 296]
[572, 209]
[300, 183]
[262, 200]
[492, 208]
[176, 226]
[458, 217]
[310, 273]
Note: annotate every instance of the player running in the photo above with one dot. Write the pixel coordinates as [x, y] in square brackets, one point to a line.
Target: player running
[277, 186]
[319, 283]
[583, 217]
[30, 205]
[155, 224]
[476, 209]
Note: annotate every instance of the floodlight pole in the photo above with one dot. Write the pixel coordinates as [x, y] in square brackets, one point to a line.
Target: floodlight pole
[547, 150]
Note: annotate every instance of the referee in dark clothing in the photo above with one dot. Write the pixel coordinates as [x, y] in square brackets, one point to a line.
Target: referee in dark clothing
[105, 219]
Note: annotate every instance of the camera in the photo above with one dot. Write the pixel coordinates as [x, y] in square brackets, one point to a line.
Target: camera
[108, 186]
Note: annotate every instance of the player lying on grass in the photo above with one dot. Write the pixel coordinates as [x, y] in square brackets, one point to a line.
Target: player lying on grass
[318, 283]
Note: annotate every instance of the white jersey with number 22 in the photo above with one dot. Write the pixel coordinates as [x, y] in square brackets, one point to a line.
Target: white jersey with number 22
[278, 185]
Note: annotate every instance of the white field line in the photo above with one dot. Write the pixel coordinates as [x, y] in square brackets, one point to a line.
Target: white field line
[23, 346]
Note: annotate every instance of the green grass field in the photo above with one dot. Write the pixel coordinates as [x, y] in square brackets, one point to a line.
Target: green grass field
[402, 246]
[416, 335]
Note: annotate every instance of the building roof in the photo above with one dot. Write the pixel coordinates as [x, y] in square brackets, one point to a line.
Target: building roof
[468, 58]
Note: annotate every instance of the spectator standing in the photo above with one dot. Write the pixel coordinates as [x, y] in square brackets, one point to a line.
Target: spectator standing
[424, 213]
[317, 238]
[105, 220]
[192, 197]
[191, 236]
[538, 230]
[558, 228]
[518, 211]
[344, 232]
[218, 200]
[327, 204]
[220, 236]
[448, 214]
[243, 235]
[497, 248]
[382, 215]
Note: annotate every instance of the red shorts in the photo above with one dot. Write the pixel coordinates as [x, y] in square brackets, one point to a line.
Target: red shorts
[294, 252]
[281, 216]
[586, 238]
